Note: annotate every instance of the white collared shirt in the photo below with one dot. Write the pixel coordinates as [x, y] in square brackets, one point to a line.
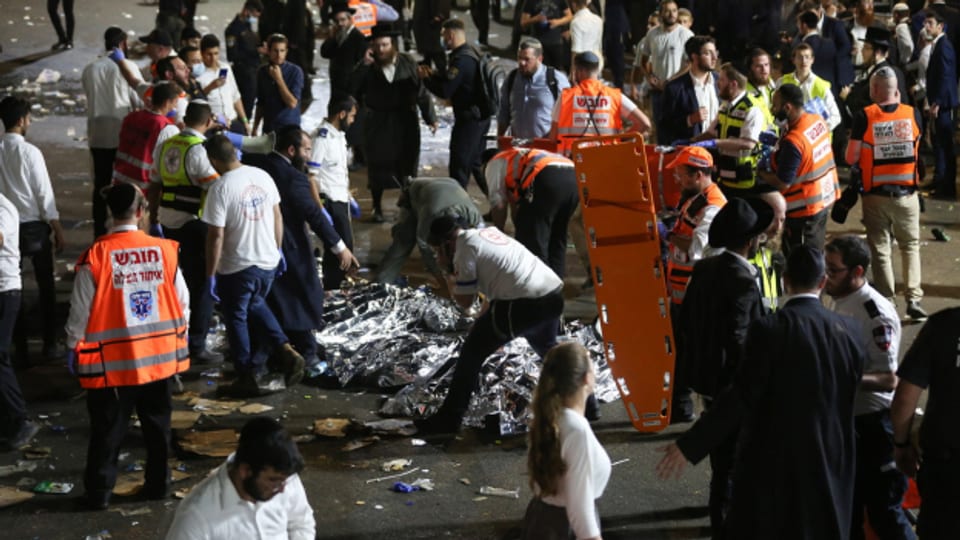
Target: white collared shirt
[706, 93]
[109, 100]
[214, 511]
[586, 33]
[24, 179]
[221, 99]
[10, 250]
[390, 70]
[328, 162]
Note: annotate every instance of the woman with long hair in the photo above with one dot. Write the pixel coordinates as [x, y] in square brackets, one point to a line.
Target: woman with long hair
[568, 467]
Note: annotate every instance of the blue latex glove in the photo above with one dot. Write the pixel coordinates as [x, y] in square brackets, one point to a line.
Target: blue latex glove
[709, 143]
[355, 212]
[326, 215]
[156, 230]
[662, 231]
[282, 267]
[116, 55]
[769, 138]
[680, 142]
[235, 138]
[72, 361]
[766, 154]
[212, 288]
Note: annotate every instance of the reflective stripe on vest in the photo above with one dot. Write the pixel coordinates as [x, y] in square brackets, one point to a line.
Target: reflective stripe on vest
[136, 333]
[138, 136]
[523, 166]
[179, 193]
[364, 16]
[588, 109]
[771, 288]
[738, 172]
[888, 153]
[679, 263]
[816, 186]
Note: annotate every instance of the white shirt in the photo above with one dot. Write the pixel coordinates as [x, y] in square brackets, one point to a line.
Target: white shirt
[586, 33]
[84, 289]
[665, 50]
[490, 262]
[24, 179]
[200, 172]
[328, 162]
[109, 99]
[221, 99]
[10, 250]
[904, 41]
[706, 93]
[880, 328]
[243, 203]
[833, 111]
[390, 70]
[214, 511]
[496, 174]
[588, 470]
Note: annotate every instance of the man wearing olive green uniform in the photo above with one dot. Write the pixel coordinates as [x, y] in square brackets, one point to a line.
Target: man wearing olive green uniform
[178, 185]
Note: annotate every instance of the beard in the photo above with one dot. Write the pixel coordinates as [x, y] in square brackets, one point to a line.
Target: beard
[299, 163]
[387, 58]
[250, 486]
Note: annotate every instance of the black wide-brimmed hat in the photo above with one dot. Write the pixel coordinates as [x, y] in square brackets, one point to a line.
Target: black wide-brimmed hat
[158, 37]
[738, 221]
[878, 37]
[384, 30]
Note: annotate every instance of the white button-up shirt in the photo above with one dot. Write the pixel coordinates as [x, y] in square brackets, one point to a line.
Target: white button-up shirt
[214, 511]
[10, 250]
[221, 99]
[109, 99]
[24, 179]
[328, 163]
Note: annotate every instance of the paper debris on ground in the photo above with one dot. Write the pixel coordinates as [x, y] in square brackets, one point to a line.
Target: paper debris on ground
[186, 396]
[58, 488]
[128, 512]
[21, 465]
[48, 76]
[183, 419]
[181, 493]
[10, 496]
[395, 465]
[214, 407]
[425, 484]
[392, 426]
[217, 443]
[131, 483]
[332, 427]
[255, 408]
[37, 452]
[359, 443]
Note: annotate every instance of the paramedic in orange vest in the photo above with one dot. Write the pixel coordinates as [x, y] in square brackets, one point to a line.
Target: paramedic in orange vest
[803, 170]
[127, 332]
[701, 199]
[884, 142]
[541, 188]
[590, 108]
[141, 132]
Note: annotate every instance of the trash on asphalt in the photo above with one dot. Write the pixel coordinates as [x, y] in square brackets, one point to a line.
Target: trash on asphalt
[183, 419]
[357, 444]
[102, 535]
[392, 426]
[394, 465]
[217, 443]
[10, 496]
[37, 452]
[403, 487]
[940, 235]
[128, 512]
[255, 408]
[500, 492]
[332, 427]
[22, 465]
[215, 407]
[58, 488]
[418, 442]
[424, 484]
[48, 76]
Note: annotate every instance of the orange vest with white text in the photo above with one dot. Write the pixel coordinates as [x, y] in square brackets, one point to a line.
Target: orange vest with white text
[816, 186]
[364, 16]
[138, 136]
[136, 333]
[586, 110]
[679, 263]
[888, 152]
[523, 166]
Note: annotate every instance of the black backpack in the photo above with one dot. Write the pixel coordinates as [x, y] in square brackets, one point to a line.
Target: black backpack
[490, 77]
[552, 83]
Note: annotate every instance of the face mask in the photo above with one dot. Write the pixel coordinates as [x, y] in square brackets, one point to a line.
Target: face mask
[781, 115]
[252, 21]
[172, 114]
[198, 69]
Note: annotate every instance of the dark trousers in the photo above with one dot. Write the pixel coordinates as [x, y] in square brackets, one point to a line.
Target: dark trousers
[466, 147]
[937, 480]
[682, 399]
[542, 220]
[945, 154]
[55, 19]
[103, 159]
[554, 56]
[656, 104]
[192, 237]
[480, 12]
[42, 261]
[13, 410]
[879, 485]
[721, 479]
[246, 77]
[806, 231]
[613, 51]
[245, 311]
[306, 344]
[332, 274]
[109, 410]
[537, 319]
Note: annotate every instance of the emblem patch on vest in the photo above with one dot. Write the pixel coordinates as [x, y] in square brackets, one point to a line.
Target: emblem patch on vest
[141, 304]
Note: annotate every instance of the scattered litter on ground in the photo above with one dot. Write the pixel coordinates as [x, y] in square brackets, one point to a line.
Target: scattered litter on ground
[10, 496]
[403, 487]
[214, 407]
[129, 484]
[58, 488]
[128, 512]
[418, 442]
[500, 492]
[37, 452]
[21, 465]
[332, 427]
[48, 76]
[181, 493]
[360, 503]
[357, 444]
[183, 419]
[940, 235]
[392, 476]
[378, 507]
[395, 465]
[480, 498]
[217, 443]
[425, 484]
[102, 535]
[255, 408]
[619, 462]
[392, 426]
[465, 481]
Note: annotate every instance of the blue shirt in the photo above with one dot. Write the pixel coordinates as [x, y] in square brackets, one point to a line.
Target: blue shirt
[529, 106]
[276, 114]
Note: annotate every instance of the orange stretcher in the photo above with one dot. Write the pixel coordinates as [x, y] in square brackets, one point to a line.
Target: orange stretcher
[666, 190]
[620, 218]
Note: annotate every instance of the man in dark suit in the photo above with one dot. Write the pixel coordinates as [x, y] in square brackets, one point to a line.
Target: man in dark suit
[951, 18]
[296, 297]
[688, 116]
[941, 100]
[344, 49]
[825, 61]
[875, 52]
[792, 399]
[721, 301]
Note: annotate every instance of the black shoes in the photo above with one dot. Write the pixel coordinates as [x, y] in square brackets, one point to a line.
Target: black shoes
[250, 385]
[62, 46]
[916, 312]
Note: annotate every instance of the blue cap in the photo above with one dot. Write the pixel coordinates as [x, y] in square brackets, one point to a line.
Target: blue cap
[586, 58]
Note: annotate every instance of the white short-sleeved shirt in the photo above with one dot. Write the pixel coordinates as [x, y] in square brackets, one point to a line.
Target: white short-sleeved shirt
[665, 50]
[588, 470]
[10, 251]
[109, 100]
[880, 325]
[490, 262]
[24, 179]
[329, 161]
[221, 99]
[242, 202]
[586, 33]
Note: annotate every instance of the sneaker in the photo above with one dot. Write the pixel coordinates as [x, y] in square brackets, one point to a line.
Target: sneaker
[292, 365]
[916, 312]
[24, 435]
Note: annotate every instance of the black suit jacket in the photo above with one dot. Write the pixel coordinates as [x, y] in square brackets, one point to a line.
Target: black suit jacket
[825, 59]
[679, 102]
[942, 75]
[343, 57]
[834, 30]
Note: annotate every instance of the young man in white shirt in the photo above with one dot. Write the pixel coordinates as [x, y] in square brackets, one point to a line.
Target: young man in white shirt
[586, 31]
[25, 182]
[257, 493]
[220, 87]
[816, 91]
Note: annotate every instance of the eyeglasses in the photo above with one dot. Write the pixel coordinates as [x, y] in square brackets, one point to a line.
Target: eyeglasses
[836, 271]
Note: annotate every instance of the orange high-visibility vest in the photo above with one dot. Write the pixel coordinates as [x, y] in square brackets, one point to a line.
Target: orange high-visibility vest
[679, 264]
[888, 152]
[138, 136]
[523, 166]
[816, 186]
[364, 16]
[586, 110]
[136, 333]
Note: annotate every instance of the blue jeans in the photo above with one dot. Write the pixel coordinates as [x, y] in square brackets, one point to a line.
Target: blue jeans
[243, 304]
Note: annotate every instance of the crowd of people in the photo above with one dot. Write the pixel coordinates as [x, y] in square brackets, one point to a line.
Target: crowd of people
[205, 186]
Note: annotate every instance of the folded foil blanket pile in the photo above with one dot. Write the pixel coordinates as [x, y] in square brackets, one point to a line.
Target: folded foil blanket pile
[404, 339]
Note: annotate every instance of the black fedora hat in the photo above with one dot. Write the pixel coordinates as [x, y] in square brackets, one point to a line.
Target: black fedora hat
[384, 30]
[738, 221]
[158, 37]
[878, 37]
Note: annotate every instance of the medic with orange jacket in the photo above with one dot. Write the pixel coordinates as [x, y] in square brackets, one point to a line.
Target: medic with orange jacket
[127, 332]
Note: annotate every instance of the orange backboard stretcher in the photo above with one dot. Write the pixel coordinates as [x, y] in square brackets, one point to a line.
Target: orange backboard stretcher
[620, 219]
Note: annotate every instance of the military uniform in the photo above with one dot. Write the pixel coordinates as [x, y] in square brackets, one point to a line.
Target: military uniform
[241, 44]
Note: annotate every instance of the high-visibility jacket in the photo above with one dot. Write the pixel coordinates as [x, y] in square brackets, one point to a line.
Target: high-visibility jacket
[888, 152]
[679, 263]
[586, 110]
[818, 92]
[816, 186]
[136, 333]
[737, 172]
[764, 96]
[523, 166]
[768, 278]
[179, 192]
[138, 136]
[364, 16]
